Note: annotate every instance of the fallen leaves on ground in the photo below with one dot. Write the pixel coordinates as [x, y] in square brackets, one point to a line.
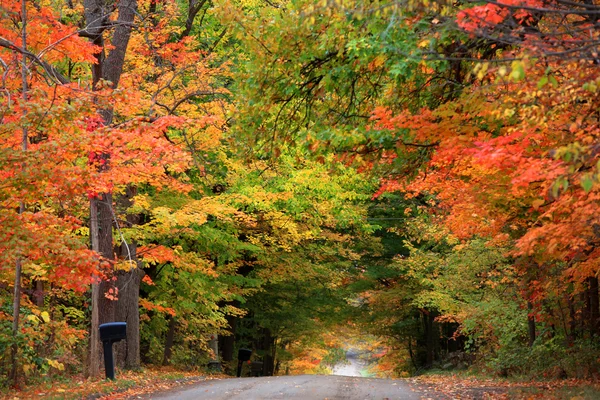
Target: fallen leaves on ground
[458, 386]
[128, 384]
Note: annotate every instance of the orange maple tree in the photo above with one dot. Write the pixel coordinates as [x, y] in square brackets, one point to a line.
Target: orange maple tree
[515, 157]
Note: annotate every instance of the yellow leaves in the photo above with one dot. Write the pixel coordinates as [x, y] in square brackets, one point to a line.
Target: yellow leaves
[517, 70]
[140, 204]
[480, 70]
[55, 364]
[44, 316]
[125, 265]
[194, 212]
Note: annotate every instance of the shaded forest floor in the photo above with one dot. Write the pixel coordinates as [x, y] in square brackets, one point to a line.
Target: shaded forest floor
[130, 384]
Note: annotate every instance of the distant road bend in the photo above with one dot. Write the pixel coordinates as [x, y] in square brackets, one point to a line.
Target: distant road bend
[300, 387]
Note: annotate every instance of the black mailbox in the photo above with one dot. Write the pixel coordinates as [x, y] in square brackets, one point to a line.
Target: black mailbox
[113, 331]
[110, 333]
[243, 355]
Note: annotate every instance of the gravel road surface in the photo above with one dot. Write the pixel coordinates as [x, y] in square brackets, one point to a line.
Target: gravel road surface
[301, 387]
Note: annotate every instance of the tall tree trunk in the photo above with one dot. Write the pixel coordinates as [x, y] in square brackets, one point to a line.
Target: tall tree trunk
[127, 310]
[103, 307]
[269, 358]
[412, 354]
[18, 263]
[106, 305]
[93, 361]
[169, 341]
[227, 344]
[97, 16]
[128, 283]
[15, 324]
[429, 339]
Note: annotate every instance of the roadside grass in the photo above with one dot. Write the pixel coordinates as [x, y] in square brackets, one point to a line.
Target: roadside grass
[128, 383]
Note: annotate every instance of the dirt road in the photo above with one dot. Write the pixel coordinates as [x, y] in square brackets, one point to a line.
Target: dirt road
[301, 387]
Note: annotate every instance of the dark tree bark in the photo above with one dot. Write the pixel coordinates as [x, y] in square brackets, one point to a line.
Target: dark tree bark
[97, 16]
[194, 7]
[429, 339]
[127, 309]
[169, 341]
[38, 293]
[269, 348]
[227, 343]
[106, 306]
[14, 354]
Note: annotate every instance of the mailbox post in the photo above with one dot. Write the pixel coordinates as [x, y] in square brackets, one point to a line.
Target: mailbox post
[243, 355]
[110, 333]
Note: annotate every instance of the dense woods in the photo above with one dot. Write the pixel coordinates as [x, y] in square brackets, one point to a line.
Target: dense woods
[267, 174]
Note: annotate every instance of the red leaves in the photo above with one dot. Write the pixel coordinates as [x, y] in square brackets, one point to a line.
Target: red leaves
[481, 16]
[492, 14]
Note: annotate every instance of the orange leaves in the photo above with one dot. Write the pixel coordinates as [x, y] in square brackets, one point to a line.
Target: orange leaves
[492, 14]
[148, 305]
[157, 254]
[52, 253]
[148, 281]
[525, 171]
[481, 16]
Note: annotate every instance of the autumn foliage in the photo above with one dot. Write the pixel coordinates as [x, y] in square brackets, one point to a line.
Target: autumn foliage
[271, 171]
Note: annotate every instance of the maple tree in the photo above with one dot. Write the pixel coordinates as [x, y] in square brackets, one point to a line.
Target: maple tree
[513, 162]
[44, 133]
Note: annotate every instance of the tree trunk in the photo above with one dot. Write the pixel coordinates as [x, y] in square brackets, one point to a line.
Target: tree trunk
[106, 305]
[227, 343]
[411, 354]
[15, 324]
[169, 342]
[269, 358]
[429, 339]
[93, 361]
[127, 310]
[97, 15]
[38, 293]
[103, 307]
[18, 263]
